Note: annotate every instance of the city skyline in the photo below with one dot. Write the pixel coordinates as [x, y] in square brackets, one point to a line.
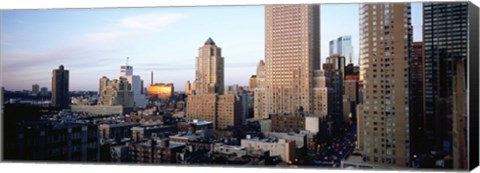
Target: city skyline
[141, 34]
[303, 105]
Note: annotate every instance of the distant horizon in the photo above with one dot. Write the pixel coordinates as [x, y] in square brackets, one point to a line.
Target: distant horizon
[92, 43]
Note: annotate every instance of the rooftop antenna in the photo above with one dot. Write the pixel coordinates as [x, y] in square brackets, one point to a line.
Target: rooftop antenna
[127, 61]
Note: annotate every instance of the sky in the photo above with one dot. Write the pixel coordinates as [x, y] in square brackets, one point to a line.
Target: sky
[92, 43]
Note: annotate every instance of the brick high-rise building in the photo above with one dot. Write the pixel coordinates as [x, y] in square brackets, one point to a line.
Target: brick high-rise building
[208, 102]
[224, 111]
[188, 88]
[350, 96]
[385, 46]
[323, 95]
[292, 49]
[288, 123]
[60, 87]
[115, 92]
[252, 82]
[259, 98]
[209, 69]
[459, 126]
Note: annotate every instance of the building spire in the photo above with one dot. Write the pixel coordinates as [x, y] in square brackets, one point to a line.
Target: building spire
[210, 41]
[127, 61]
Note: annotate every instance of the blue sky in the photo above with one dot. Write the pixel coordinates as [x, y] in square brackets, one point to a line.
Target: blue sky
[92, 43]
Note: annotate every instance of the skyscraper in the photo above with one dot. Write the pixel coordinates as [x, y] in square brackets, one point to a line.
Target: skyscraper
[417, 117]
[333, 48]
[136, 83]
[35, 89]
[60, 87]
[292, 49]
[209, 69]
[385, 52]
[460, 117]
[188, 88]
[259, 98]
[445, 35]
[252, 82]
[334, 69]
[115, 92]
[208, 101]
[345, 48]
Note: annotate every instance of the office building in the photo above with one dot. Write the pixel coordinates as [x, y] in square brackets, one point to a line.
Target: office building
[188, 88]
[203, 129]
[345, 48]
[277, 147]
[161, 91]
[252, 82]
[334, 69]
[460, 119]
[141, 133]
[100, 109]
[116, 92]
[445, 37]
[342, 46]
[287, 122]
[350, 96]
[136, 83]
[209, 69]
[43, 91]
[417, 117]
[229, 112]
[385, 52]
[299, 138]
[291, 58]
[35, 89]
[333, 47]
[259, 95]
[46, 140]
[154, 150]
[116, 132]
[208, 103]
[231, 154]
[60, 86]
[324, 95]
[224, 111]
[232, 89]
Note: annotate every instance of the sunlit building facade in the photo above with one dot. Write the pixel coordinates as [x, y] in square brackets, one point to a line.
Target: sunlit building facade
[385, 52]
[292, 49]
[116, 92]
[209, 69]
[160, 91]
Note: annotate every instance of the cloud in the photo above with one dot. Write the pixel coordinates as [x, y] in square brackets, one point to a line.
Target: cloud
[108, 36]
[151, 21]
[137, 25]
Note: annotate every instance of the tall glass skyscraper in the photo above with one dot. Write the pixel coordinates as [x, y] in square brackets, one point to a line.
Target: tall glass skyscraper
[445, 35]
[343, 47]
